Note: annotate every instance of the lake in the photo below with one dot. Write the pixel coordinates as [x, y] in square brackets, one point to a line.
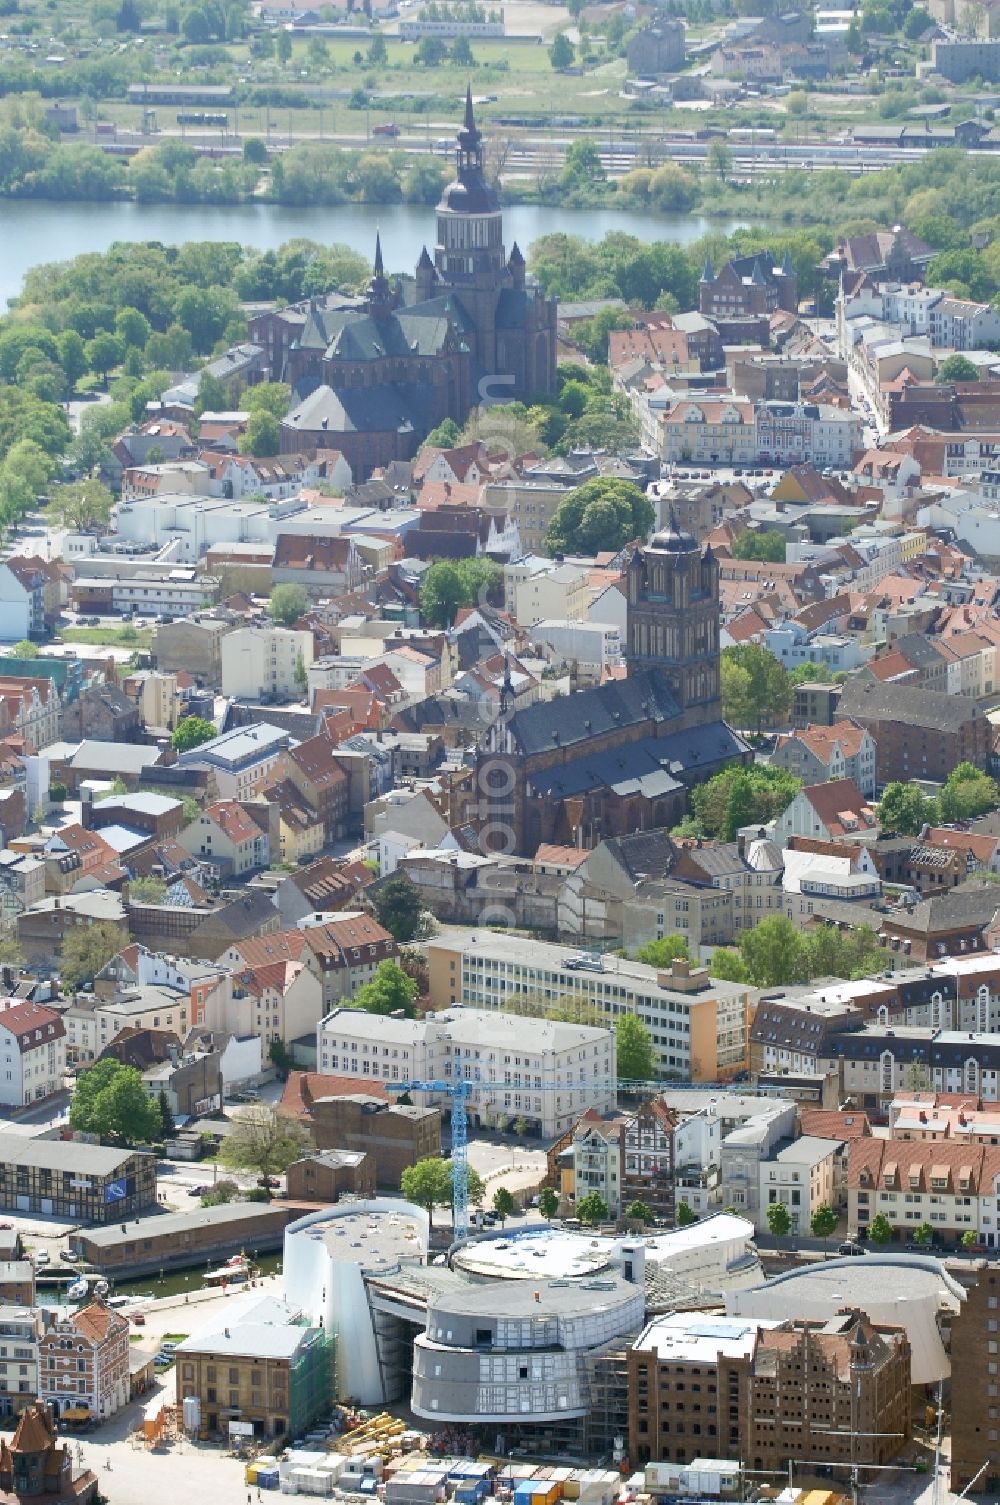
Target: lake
[33, 232]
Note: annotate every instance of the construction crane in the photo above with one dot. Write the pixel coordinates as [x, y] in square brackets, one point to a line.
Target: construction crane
[458, 1090]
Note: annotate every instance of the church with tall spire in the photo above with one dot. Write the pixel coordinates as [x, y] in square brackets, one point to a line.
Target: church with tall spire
[372, 377]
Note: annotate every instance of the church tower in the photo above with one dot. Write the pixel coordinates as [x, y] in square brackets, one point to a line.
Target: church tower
[672, 592]
[469, 254]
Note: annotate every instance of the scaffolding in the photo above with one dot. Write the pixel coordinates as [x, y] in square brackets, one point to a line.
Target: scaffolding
[311, 1380]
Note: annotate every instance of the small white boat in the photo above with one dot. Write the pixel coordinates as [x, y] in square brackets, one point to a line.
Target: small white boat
[236, 1268]
[76, 1290]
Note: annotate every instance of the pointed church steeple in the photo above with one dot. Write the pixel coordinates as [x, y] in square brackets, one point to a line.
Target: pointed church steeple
[470, 118]
[379, 291]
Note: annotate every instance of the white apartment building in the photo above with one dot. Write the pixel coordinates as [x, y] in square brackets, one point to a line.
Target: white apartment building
[801, 1177]
[32, 1053]
[20, 1330]
[266, 661]
[94, 1023]
[562, 591]
[542, 1070]
[791, 433]
[699, 1025]
[589, 647]
[242, 760]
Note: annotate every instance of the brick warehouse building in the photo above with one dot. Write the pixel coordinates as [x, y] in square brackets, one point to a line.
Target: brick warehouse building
[975, 1386]
[373, 380]
[762, 1390]
[621, 757]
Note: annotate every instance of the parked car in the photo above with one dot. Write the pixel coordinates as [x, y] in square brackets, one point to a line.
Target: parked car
[42, 1257]
[138, 1319]
[850, 1247]
[269, 1181]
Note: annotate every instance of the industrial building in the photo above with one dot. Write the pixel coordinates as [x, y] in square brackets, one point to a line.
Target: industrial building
[525, 1332]
[88, 1183]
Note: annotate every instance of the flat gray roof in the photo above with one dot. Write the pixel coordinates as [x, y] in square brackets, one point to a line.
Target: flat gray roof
[174, 1222]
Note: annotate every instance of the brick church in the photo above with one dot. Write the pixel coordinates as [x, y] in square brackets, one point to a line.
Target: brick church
[373, 379]
[621, 757]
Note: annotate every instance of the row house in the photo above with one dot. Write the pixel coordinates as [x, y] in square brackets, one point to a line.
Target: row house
[952, 1188]
[961, 324]
[83, 1360]
[343, 952]
[32, 708]
[228, 838]
[21, 1328]
[32, 1053]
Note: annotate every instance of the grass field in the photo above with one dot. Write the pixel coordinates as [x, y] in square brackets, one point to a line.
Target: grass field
[109, 637]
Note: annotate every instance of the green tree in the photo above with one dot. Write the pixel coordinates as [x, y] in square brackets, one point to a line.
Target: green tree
[461, 53]
[765, 544]
[429, 1183]
[728, 965]
[968, 1239]
[548, 1202]
[83, 504]
[167, 1125]
[86, 949]
[191, 732]
[561, 53]
[390, 991]
[923, 1235]
[72, 355]
[280, 1057]
[398, 907]
[956, 368]
[146, 890]
[211, 395]
[378, 52]
[916, 23]
[639, 1212]
[272, 397]
[592, 1209]
[430, 52]
[904, 810]
[25, 649]
[823, 1221]
[109, 1100]
[661, 953]
[967, 792]
[503, 1204]
[779, 1219]
[768, 694]
[880, 1229]
[104, 352]
[263, 1140]
[718, 159]
[445, 436]
[255, 151]
[741, 797]
[262, 435]
[132, 328]
[287, 604]
[451, 584]
[636, 1056]
[775, 952]
[602, 514]
[685, 1214]
[284, 47]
